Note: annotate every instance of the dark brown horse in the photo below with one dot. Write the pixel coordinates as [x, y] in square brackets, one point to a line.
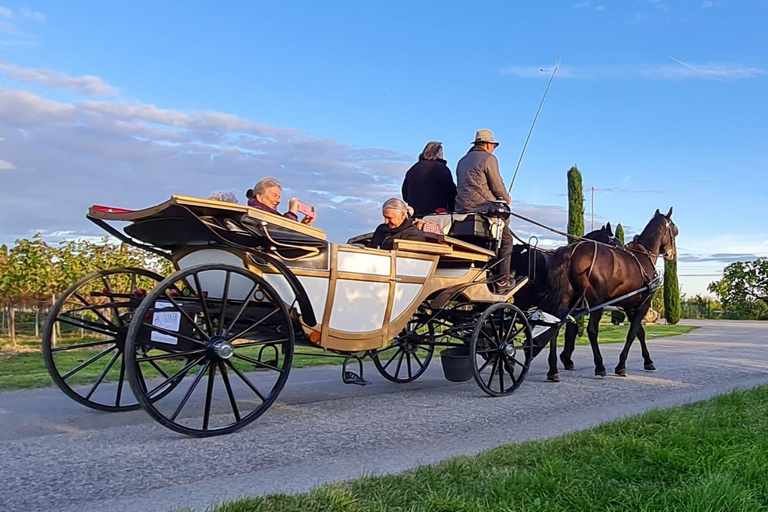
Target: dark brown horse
[597, 273]
[532, 262]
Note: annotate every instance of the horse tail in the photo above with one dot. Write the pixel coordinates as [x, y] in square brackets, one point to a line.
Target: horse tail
[560, 289]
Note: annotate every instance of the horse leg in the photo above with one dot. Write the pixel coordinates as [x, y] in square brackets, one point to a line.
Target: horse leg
[592, 330]
[647, 362]
[552, 374]
[634, 326]
[570, 342]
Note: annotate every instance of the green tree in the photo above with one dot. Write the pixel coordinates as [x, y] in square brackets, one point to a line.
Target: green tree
[671, 291]
[620, 233]
[743, 290]
[575, 204]
[576, 218]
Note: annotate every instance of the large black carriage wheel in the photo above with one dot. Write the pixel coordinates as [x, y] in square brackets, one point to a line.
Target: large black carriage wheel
[229, 339]
[84, 336]
[410, 352]
[501, 349]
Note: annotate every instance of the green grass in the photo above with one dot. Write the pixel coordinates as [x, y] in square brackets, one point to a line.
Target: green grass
[618, 333]
[25, 368]
[707, 456]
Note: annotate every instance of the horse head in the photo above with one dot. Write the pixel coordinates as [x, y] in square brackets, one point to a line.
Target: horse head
[667, 231]
[604, 235]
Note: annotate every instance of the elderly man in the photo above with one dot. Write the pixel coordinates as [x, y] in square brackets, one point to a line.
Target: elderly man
[396, 224]
[265, 196]
[479, 182]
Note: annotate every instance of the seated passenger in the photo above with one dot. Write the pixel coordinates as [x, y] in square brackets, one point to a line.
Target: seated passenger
[265, 196]
[428, 185]
[397, 224]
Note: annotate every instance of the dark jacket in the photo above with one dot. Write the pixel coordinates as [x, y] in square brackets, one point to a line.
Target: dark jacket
[428, 185]
[478, 181]
[255, 203]
[384, 236]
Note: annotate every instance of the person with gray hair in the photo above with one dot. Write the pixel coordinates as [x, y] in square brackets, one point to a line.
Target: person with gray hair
[265, 196]
[225, 196]
[428, 185]
[397, 224]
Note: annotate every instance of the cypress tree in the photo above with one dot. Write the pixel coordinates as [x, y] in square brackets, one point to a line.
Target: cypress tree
[618, 316]
[620, 232]
[671, 292]
[575, 204]
[576, 218]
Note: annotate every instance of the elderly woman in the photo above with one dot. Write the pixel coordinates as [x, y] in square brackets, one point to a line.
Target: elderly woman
[396, 224]
[265, 196]
[428, 185]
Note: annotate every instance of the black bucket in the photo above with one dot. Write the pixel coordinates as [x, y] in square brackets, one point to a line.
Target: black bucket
[457, 366]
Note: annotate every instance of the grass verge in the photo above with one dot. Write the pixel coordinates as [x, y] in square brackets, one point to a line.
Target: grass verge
[707, 456]
[24, 367]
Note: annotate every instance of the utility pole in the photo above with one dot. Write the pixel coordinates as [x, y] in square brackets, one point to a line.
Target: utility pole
[593, 210]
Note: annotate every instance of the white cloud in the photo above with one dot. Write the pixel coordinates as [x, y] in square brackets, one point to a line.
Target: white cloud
[675, 71]
[35, 15]
[8, 28]
[599, 8]
[6, 166]
[84, 85]
[6, 12]
[708, 5]
[134, 154]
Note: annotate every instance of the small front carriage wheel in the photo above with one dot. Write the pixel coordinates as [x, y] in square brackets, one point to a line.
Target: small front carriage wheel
[501, 349]
[84, 336]
[212, 337]
[410, 352]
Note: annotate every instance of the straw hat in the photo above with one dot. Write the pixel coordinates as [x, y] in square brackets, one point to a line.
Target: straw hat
[485, 136]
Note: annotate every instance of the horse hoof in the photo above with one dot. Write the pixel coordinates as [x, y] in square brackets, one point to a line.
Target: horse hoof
[554, 377]
[621, 372]
[650, 368]
[601, 373]
[570, 367]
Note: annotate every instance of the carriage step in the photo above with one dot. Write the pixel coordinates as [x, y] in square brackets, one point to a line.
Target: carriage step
[348, 377]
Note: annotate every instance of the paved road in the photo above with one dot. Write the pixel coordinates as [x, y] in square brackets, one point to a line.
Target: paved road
[57, 455]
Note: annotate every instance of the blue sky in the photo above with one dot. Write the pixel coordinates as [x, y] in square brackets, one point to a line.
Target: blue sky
[659, 103]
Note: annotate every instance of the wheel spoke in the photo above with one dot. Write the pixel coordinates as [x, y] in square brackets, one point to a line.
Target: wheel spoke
[493, 371]
[257, 343]
[511, 371]
[399, 363]
[63, 348]
[519, 363]
[408, 363]
[399, 349]
[418, 361]
[119, 392]
[88, 325]
[485, 365]
[158, 368]
[114, 310]
[246, 300]
[185, 314]
[204, 302]
[176, 376]
[245, 379]
[258, 363]
[230, 394]
[170, 355]
[92, 307]
[175, 334]
[190, 391]
[223, 309]
[259, 322]
[208, 395]
[89, 362]
[501, 375]
[103, 374]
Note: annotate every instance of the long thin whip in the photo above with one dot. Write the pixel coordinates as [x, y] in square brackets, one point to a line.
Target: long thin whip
[541, 104]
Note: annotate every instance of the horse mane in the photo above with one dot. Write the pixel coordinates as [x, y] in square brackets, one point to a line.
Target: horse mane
[649, 232]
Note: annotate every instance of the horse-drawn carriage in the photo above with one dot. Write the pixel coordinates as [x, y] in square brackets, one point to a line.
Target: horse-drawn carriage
[208, 349]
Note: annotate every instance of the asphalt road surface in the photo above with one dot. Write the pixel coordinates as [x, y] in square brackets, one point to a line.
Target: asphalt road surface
[58, 455]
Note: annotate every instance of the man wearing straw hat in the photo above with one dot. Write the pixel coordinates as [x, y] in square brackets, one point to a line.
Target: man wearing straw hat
[479, 182]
